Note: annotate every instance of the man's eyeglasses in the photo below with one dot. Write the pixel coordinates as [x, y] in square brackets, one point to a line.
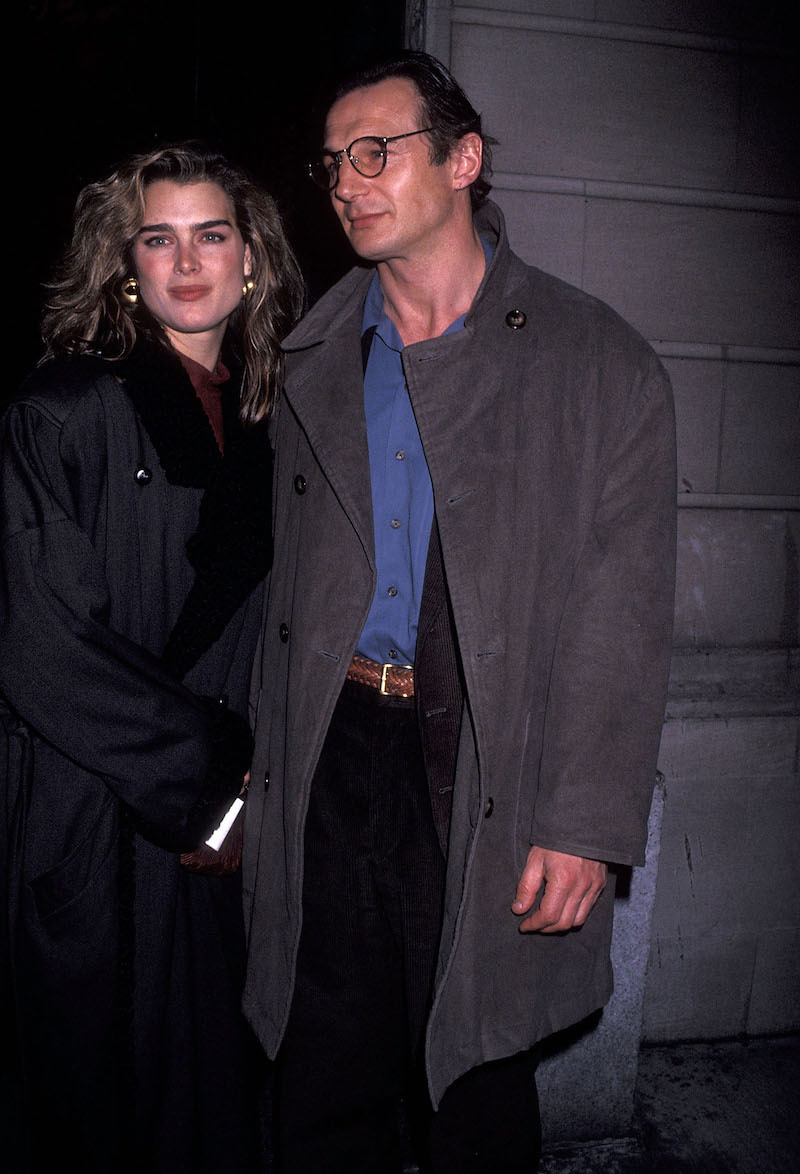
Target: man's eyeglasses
[368, 156]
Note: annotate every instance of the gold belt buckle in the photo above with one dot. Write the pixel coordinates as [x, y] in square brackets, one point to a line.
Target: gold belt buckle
[384, 673]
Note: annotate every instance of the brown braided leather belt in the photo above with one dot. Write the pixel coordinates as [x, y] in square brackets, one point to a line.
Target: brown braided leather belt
[391, 680]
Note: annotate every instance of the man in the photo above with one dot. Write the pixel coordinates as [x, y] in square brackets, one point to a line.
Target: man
[475, 479]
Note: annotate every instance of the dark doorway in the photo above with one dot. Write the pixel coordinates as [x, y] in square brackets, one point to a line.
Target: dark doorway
[101, 79]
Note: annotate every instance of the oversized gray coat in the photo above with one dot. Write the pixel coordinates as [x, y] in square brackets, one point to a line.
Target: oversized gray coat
[551, 452]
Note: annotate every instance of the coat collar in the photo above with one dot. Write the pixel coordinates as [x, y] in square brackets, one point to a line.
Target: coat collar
[328, 340]
[172, 415]
[330, 409]
[231, 549]
[335, 307]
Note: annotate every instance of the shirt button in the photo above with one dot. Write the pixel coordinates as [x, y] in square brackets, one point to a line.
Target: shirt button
[392, 654]
[400, 455]
[392, 591]
[396, 523]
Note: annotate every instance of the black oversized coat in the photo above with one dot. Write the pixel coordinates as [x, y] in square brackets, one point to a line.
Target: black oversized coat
[132, 557]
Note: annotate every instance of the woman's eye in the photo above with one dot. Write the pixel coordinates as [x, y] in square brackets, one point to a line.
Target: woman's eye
[154, 242]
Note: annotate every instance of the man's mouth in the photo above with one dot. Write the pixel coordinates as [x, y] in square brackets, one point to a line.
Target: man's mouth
[363, 219]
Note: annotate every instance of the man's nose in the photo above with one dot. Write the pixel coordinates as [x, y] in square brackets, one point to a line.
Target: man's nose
[349, 182]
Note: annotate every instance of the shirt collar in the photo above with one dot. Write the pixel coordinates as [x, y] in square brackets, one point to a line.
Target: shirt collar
[375, 315]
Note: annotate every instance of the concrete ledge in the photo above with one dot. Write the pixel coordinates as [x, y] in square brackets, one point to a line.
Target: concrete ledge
[733, 682]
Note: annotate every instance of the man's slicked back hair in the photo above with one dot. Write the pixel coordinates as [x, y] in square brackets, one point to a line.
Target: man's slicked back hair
[443, 106]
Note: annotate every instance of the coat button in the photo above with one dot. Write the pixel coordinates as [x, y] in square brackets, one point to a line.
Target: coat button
[283, 632]
[300, 484]
[266, 780]
[489, 808]
[516, 319]
[143, 476]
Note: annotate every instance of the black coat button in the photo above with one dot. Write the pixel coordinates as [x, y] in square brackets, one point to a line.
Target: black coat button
[300, 484]
[489, 808]
[143, 476]
[516, 319]
[283, 632]
[266, 780]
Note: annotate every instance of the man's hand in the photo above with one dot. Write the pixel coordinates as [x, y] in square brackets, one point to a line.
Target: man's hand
[572, 884]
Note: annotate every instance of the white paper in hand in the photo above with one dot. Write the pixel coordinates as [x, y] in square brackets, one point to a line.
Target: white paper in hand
[217, 838]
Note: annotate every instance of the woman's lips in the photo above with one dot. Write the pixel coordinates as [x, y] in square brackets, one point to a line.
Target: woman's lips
[189, 293]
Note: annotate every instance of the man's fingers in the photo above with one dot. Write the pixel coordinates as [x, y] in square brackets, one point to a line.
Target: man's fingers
[530, 882]
[554, 913]
[587, 904]
[572, 885]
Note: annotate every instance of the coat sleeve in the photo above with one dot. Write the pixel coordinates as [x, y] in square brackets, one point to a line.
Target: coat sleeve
[607, 691]
[97, 697]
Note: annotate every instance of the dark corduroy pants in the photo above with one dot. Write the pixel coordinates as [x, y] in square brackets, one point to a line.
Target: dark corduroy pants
[372, 898]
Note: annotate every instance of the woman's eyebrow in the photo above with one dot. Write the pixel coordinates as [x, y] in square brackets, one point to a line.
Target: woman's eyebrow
[195, 227]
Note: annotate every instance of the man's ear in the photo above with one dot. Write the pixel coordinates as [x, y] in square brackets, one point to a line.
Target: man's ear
[467, 157]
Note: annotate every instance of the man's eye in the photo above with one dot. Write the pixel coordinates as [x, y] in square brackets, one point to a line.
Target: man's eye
[213, 236]
[154, 242]
[371, 153]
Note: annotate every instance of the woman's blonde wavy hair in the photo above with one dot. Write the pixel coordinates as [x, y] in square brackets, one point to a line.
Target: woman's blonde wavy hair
[86, 312]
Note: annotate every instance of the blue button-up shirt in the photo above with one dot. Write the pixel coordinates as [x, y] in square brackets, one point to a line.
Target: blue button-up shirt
[402, 494]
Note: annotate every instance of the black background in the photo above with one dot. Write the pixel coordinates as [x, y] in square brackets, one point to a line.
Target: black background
[102, 80]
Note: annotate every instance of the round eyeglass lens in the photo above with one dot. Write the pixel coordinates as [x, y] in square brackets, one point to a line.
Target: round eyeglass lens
[368, 156]
[324, 172]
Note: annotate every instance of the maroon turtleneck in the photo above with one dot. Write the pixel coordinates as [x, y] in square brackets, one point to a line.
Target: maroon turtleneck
[208, 387]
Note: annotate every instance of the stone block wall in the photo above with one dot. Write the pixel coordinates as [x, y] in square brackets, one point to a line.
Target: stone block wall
[649, 154]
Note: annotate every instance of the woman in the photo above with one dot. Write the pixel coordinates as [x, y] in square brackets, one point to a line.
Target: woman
[136, 536]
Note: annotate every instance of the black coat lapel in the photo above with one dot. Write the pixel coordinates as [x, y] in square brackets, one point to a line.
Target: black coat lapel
[172, 415]
[231, 549]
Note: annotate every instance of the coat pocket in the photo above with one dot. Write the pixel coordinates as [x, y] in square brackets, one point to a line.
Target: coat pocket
[90, 864]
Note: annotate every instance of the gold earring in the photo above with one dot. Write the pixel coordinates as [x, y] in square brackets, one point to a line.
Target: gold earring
[130, 290]
[248, 285]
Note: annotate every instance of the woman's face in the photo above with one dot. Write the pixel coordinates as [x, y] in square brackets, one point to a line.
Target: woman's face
[191, 263]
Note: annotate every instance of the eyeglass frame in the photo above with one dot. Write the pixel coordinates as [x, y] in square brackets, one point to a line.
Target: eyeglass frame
[337, 156]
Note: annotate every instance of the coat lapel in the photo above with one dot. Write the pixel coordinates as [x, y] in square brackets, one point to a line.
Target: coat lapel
[439, 688]
[231, 549]
[171, 413]
[331, 410]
